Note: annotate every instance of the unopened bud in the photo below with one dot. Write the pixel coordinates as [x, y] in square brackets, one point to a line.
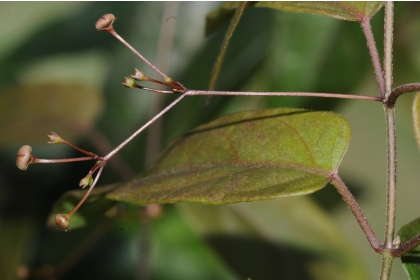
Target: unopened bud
[24, 157]
[54, 138]
[139, 75]
[62, 220]
[396, 242]
[129, 82]
[168, 80]
[85, 182]
[105, 22]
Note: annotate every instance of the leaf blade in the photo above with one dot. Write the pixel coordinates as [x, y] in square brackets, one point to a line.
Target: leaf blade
[411, 260]
[247, 156]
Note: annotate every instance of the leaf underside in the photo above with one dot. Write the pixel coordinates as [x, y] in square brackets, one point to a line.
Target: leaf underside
[247, 156]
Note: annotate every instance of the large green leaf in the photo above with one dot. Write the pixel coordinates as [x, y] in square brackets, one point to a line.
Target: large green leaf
[302, 237]
[247, 156]
[352, 10]
[411, 260]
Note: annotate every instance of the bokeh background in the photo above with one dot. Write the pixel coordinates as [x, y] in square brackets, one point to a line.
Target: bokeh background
[57, 73]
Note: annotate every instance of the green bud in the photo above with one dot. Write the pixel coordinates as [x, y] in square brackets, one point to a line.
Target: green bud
[129, 82]
[85, 182]
[139, 75]
[54, 138]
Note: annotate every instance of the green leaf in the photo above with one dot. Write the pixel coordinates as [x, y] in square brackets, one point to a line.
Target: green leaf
[30, 113]
[416, 117]
[354, 11]
[247, 156]
[411, 260]
[95, 206]
[295, 230]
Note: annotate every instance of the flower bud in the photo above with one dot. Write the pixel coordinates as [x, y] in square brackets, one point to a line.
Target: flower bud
[396, 242]
[105, 22]
[139, 75]
[24, 157]
[129, 82]
[168, 80]
[85, 182]
[54, 138]
[62, 220]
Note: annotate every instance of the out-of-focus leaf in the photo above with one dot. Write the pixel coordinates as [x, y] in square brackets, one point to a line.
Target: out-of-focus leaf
[416, 117]
[247, 156]
[15, 238]
[30, 113]
[411, 260]
[292, 228]
[219, 61]
[95, 206]
[352, 10]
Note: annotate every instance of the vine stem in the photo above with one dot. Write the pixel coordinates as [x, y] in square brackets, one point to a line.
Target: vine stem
[387, 257]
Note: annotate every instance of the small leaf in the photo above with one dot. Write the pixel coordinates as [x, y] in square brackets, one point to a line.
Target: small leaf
[30, 113]
[411, 260]
[95, 206]
[353, 11]
[416, 117]
[247, 156]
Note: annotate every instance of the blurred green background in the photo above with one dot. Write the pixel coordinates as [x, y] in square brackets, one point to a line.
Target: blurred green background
[57, 73]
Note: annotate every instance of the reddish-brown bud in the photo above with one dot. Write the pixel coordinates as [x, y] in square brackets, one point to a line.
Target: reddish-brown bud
[54, 138]
[62, 220]
[105, 22]
[24, 157]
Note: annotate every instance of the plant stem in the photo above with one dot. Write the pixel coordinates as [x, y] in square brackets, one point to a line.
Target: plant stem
[389, 23]
[357, 212]
[389, 108]
[113, 152]
[387, 259]
[258, 93]
[392, 176]
[61, 160]
[367, 30]
[115, 34]
[87, 193]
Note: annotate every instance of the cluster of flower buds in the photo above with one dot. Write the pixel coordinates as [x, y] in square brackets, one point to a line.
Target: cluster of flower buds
[105, 23]
[24, 157]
